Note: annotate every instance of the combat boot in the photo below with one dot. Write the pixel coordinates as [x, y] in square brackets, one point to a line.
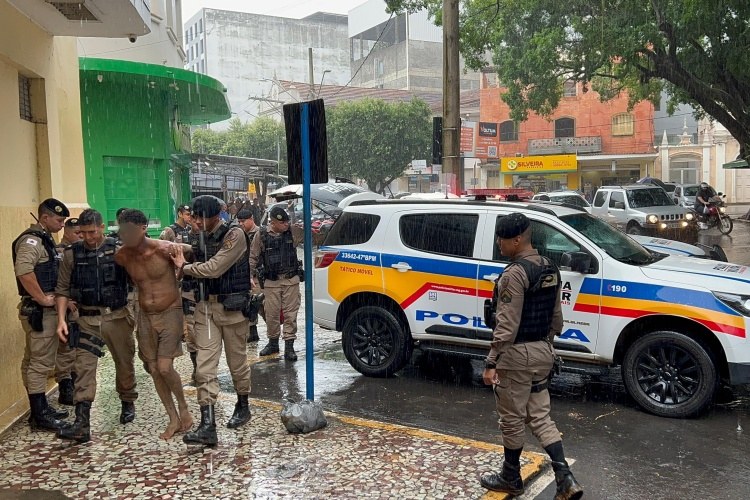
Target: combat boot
[271, 348]
[508, 481]
[241, 414]
[194, 360]
[65, 394]
[567, 486]
[205, 434]
[127, 414]
[42, 415]
[80, 431]
[289, 353]
[253, 335]
[54, 412]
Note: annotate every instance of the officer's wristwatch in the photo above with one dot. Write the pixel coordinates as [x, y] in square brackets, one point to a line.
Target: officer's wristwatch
[489, 365]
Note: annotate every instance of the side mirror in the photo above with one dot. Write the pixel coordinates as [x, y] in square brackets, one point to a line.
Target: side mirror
[676, 201]
[619, 205]
[579, 262]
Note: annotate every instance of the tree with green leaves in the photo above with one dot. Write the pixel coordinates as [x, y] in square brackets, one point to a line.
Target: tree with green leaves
[696, 50]
[375, 141]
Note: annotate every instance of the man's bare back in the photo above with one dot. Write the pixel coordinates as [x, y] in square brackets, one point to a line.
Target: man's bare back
[153, 272]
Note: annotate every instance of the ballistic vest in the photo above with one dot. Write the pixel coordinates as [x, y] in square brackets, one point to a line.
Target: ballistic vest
[538, 301]
[237, 277]
[97, 280]
[181, 234]
[45, 272]
[279, 254]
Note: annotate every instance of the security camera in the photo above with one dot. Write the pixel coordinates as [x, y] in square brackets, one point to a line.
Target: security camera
[132, 38]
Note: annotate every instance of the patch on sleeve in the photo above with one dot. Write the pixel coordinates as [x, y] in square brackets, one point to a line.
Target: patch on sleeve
[32, 241]
[506, 297]
[229, 240]
[504, 281]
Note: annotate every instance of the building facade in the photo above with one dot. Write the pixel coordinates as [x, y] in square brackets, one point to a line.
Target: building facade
[249, 52]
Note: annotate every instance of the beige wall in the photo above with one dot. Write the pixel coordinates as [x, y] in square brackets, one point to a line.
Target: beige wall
[39, 159]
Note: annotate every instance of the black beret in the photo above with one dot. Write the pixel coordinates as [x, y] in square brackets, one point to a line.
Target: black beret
[72, 222]
[278, 213]
[56, 207]
[206, 206]
[183, 208]
[512, 225]
[244, 214]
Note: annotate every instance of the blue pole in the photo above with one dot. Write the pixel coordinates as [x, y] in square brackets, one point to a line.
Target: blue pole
[307, 214]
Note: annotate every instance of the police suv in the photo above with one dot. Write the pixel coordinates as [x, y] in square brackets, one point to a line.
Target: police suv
[397, 274]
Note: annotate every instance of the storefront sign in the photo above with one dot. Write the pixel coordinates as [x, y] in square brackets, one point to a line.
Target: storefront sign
[467, 138]
[539, 164]
[487, 140]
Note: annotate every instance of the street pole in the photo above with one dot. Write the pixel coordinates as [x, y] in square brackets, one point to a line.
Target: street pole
[311, 94]
[451, 94]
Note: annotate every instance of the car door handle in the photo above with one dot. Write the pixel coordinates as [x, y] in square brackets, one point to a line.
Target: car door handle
[491, 277]
[401, 266]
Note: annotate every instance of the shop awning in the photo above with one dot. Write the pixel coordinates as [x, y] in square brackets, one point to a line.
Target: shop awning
[199, 98]
[736, 164]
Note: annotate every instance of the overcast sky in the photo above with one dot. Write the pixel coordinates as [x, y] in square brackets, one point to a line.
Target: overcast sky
[281, 8]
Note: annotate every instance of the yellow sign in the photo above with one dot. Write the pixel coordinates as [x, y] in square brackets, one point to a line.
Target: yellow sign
[251, 187]
[539, 164]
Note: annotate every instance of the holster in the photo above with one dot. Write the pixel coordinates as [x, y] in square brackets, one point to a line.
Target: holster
[300, 271]
[34, 313]
[188, 307]
[253, 306]
[74, 334]
[235, 302]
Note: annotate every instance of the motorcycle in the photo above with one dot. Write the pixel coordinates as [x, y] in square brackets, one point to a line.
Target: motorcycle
[716, 215]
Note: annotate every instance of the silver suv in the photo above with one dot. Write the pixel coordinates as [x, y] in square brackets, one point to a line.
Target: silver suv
[646, 210]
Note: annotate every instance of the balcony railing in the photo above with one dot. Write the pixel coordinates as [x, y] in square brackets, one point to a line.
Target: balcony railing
[563, 145]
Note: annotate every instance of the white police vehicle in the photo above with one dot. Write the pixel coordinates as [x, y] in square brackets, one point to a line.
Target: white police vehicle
[396, 274]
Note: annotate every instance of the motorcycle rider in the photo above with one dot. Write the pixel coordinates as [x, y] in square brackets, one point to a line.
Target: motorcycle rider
[702, 201]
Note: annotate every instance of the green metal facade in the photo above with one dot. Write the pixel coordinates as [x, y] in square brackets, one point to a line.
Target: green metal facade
[136, 120]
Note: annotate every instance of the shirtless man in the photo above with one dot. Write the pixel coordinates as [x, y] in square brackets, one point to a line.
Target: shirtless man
[160, 318]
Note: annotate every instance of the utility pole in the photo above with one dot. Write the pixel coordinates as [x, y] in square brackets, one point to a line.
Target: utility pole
[311, 94]
[451, 95]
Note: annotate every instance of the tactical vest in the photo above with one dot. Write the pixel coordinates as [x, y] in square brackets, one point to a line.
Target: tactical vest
[46, 272]
[237, 278]
[538, 301]
[181, 234]
[96, 280]
[279, 254]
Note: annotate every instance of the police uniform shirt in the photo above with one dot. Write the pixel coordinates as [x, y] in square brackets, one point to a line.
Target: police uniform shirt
[233, 248]
[512, 287]
[257, 247]
[64, 274]
[30, 251]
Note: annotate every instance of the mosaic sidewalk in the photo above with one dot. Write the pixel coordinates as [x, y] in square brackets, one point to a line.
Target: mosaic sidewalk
[351, 458]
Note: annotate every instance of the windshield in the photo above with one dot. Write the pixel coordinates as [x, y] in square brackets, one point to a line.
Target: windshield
[616, 244]
[691, 191]
[652, 197]
[571, 199]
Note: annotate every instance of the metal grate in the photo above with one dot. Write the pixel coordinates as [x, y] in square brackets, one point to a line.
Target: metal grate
[73, 10]
[24, 97]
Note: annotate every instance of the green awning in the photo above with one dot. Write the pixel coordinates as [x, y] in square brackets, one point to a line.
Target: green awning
[736, 164]
[199, 98]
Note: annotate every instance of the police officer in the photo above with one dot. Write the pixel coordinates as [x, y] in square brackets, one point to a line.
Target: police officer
[273, 258]
[64, 371]
[90, 277]
[246, 219]
[221, 270]
[521, 357]
[179, 231]
[35, 262]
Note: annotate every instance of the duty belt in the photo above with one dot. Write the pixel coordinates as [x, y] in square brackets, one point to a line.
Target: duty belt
[540, 386]
[94, 312]
[284, 276]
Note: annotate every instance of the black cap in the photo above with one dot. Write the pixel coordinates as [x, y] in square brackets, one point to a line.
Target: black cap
[183, 208]
[206, 206]
[511, 226]
[72, 222]
[244, 214]
[278, 213]
[56, 207]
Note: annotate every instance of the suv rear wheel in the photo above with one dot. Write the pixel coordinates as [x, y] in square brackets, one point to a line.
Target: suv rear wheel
[375, 342]
[669, 374]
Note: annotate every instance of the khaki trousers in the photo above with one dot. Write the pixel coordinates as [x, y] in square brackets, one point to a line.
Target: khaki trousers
[39, 353]
[282, 296]
[522, 366]
[213, 327]
[116, 330]
[64, 362]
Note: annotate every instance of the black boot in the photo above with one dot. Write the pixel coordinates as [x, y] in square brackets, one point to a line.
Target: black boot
[127, 414]
[241, 414]
[271, 348]
[194, 360]
[205, 434]
[80, 431]
[53, 412]
[65, 395]
[41, 414]
[289, 353]
[567, 486]
[508, 481]
[253, 335]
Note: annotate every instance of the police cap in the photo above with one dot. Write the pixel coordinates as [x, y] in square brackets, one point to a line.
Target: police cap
[206, 206]
[72, 222]
[55, 206]
[511, 226]
[244, 214]
[279, 214]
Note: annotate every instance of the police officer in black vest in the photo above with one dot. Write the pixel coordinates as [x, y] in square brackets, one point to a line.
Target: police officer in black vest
[36, 262]
[178, 231]
[222, 273]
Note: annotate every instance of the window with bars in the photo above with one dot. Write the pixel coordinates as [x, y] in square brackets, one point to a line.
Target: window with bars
[622, 124]
[24, 98]
[565, 127]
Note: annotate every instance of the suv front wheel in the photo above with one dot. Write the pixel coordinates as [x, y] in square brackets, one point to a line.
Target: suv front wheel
[635, 228]
[669, 374]
[375, 342]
